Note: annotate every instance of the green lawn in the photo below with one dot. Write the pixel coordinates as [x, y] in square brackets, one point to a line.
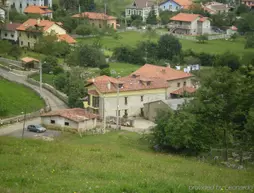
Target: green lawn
[112, 163]
[131, 38]
[17, 98]
[123, 69]
[46, 78]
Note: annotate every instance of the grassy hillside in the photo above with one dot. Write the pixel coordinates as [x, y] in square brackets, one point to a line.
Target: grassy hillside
[18, 97]
[131, 38]
[112, 163]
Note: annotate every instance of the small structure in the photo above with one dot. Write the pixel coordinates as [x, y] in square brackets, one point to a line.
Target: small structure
[151, 109]
[75, 118]
[175, 5]
[28, 63]
[39, 10]
[9, 32]
[216, 7]
[232, 30]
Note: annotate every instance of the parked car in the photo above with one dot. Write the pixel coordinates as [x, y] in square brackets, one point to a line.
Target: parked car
[36, 128]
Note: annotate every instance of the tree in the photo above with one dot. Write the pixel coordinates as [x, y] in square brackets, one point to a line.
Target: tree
[164, 17]
[84, 30]
[241, 9]
[233, 36]
[49, 63]
[190, 60]
[150, 33]
[168, 46]
[246, 23]
[206, 59]
[218, 20]
[17, 17]
[228, 59]
[5, 47]
[137, 23]
[249, 40]
[45, 44]
[15, 52]
[105, 71]
[202, 38]
[148, 50]
[151, 19]
[61, 49]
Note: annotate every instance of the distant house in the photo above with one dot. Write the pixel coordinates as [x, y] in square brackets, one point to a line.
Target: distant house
[216, 7]
[151, 109]
[100, 20]
[76, 118]
[175, 5]
[9, 32]
[31, 30]
[22, 4]
[190, 24]
[249, 3]
[39, 10]
[2, 14]
[232, 30]
[28, 62]
[142, 8]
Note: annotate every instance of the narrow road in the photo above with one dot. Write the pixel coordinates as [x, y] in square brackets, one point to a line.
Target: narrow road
[54, 102]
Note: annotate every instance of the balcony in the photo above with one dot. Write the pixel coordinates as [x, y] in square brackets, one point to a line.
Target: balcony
[179, 26]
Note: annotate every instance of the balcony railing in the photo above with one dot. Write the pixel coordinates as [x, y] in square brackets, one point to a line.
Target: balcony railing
[179, 26]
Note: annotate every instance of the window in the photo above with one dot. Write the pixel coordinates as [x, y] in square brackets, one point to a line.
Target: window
[126, 100]
[5, 34]
[129, 12]
[28, 35]
[66, 123]
[52, 121]
[126, 113]
[118, 113]
[20, 5]
[88, 100]
[99, 25]
[28, 44]
[142, 98]
[184, 83]
[95, 102]
[148, 83]
[141, 112]
[12, 35]
[178, 84]
[21, 43]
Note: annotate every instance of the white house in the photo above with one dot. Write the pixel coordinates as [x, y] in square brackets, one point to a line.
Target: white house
[215, 7]
[76, 118]
[20, 5]
[175, 5]
[2, 14]
[190, 24]
[128, 94]
[9, 32]
[142, 8]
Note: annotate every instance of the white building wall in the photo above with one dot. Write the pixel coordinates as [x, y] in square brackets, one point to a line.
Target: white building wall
[134, 103]
[194, 27]
[9, 35]
[59, 121]
[206, 27]
[2, 14]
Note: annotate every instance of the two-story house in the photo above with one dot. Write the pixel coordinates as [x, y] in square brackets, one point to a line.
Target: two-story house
[9, 32]
[175, 5]
[215, 7]
[189, 24]
[20, 5]
[41, 11]
[31, 30]
[128, 94]
[99, 20]
[142, 8]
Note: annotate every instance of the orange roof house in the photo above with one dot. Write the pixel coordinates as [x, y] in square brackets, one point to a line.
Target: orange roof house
[184, 3]
[32, 28]
[98, 19]
[40, 10]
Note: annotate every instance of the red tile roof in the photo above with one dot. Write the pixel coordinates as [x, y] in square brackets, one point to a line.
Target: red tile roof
[166, 73]
[30, 23]
[37, 9]
[185, 17]
[11, 26]
[104, 78]
[75, 114]
[184, 3]
[28, 60]
[182, 90]
[67, 38]
[95, 16]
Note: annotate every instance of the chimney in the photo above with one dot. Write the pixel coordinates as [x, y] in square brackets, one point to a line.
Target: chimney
[109, 85]
[38, 21]
[93, 80]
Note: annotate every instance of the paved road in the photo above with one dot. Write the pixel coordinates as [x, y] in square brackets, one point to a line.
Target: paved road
[54, 102]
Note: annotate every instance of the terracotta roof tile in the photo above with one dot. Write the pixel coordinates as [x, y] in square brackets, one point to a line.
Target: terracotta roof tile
[75, 114]
[30, 23]
[185, 17]
[186, 89]
[28, 59]
[67, 38]
[37, 9]
[11, 26]
[104, 78]
[95, 16]
[184, 3]
[166, 73]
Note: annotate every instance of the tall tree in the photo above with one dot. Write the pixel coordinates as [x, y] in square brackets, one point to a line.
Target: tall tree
[151, 19]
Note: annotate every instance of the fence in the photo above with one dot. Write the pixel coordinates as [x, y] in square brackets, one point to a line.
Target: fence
[51, 89]
[11, 62]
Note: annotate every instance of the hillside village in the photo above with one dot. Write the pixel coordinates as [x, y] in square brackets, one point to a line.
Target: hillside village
[126, 96]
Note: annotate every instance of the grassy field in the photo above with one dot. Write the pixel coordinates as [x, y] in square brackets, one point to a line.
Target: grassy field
[18, 97]
[46, 78]
[123, 69]
[131, 38]
[112, 163]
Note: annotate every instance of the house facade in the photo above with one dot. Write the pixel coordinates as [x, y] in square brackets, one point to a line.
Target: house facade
[41, 11]
[216, 7]
[190, 24]
[2, 14]
[77, 118]
[9, 32]
[21, 5]
[99, 20]
[126, 96]
[175, 5]
[31, 30]
[142, 8]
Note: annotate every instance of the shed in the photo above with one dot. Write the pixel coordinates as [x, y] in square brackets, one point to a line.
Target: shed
[28, 62]
[76, 118]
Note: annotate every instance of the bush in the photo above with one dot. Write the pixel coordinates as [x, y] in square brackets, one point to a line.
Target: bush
[84, 30]
[105, 71]
[49, 63]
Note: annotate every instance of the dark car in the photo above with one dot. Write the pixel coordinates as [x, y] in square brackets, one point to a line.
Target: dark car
[36, 128]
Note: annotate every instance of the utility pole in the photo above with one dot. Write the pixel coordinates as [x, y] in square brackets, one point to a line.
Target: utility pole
[24, 124]
[117, 108]
[105, 7]
[40, 79]
[104, 115]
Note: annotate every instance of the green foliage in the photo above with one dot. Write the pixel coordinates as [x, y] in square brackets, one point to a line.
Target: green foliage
[168, 47]
[246, 23]
[17, 17]
[69, 23]
[86, 56]
[202, 38]
[84, 30]
[5, 47]
[241, 9]
[151, 19]
[3, 106]
[249, 40]
[15, 51]
[234, 36]
[137, 23]
[228, 59]
[206, 59]
[105, 71]
[148, 49]
[164, 17]
[49, 63]
[218, 20]
[190, 60]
